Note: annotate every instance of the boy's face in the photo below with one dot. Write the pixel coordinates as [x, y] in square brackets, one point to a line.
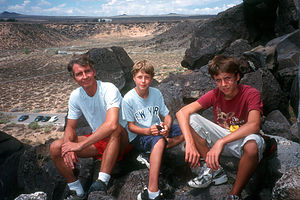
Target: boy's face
[228, 84]
[84, 76]
[142, 80]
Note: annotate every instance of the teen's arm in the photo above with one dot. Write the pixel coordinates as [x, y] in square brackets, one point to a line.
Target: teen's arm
[110, 125]
[192, 155]
[143, 131]
[166, 124]
[252, 126]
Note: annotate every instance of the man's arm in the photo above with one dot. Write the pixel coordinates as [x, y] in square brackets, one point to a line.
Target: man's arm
[192, 155]
[106, 129]
[252, 126]
[69, 136]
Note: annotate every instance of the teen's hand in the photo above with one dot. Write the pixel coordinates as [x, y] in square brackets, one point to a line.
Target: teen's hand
[165, 130]
[154, 131]
[70, 159]
[192, 156]
[212, 157]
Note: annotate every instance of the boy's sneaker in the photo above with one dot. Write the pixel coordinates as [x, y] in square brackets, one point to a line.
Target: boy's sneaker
[144, 158]
[208, 176]
[233, 197]
[144, 195]
[72, 195]
[98, 185]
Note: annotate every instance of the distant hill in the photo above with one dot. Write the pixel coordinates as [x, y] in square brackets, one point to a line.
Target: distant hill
[115, 19]
[6, 14]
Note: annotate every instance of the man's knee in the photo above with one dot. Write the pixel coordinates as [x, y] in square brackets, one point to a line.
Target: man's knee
[55, 148]
[251, 148]
[116, 134]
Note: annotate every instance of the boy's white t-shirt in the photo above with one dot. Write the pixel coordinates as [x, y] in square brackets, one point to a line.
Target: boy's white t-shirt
[144, 112]
[95, 108]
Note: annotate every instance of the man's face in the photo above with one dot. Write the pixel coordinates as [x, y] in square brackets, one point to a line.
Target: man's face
[227, 83]
[142, 80]
[84, 76]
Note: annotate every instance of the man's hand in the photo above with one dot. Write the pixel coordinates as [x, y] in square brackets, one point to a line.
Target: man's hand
[70, 146]
[70, 159]
[212, 157]
[192, 156]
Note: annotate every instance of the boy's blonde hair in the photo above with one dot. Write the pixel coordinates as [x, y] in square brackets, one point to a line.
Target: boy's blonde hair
[143, 66]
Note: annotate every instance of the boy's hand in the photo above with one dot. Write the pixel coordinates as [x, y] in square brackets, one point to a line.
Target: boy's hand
[154, 130]
[165, 130]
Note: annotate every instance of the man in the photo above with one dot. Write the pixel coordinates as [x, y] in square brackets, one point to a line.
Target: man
[237, 114]
[100, 103]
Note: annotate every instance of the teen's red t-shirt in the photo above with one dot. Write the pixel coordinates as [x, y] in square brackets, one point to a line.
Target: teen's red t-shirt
[234, 111]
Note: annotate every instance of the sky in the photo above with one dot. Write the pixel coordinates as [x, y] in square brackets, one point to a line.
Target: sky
[115, 7]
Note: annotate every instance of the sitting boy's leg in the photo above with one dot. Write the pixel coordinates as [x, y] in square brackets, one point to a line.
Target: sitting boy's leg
[155, 163]
[247, 166]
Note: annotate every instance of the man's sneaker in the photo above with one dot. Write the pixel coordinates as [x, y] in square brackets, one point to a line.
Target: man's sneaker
[144, 195]
[208, 176]
[144, 158]
[72, 195]
[98, 185]
[233, 197]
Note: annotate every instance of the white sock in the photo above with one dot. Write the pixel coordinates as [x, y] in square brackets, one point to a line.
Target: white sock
[153, 195]
[76, 186]
[104, 177]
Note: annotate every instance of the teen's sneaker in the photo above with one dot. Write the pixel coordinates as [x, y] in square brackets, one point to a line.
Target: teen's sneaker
[144, 158]
[208, 176]
[98, 185]
[144, 195]
[233, 197]
[72, 195]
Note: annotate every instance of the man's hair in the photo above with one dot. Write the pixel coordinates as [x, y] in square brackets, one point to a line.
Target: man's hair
[223, 64]
[143, 66]
[82, 60]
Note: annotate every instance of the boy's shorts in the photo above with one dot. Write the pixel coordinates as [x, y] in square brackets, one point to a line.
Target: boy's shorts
[147, 142]
[101, 145]
[212, 132]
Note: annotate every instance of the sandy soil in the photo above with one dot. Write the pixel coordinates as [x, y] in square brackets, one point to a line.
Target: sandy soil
[38, 81]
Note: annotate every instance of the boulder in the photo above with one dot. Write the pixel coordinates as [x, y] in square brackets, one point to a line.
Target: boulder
[260, 18]
[287, 17]
[288, 186]
[34, 196]
[213, 36]
[288, 50]
[113, 65]
[272, 96]
[10, 151]
[276, 124]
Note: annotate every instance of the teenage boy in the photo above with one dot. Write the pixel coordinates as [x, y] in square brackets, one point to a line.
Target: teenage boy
[99, 102]
[141, 108]
[237, 114]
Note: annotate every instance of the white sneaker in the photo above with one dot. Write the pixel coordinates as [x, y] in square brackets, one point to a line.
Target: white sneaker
[208, 176]
[144, 158]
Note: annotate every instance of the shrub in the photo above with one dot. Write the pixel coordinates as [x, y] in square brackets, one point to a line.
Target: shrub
[33, 125]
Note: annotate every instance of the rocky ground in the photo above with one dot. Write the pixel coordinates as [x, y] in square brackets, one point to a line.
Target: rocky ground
[35, 79]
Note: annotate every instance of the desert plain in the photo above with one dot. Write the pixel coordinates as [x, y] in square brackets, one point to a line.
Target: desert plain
[34, 78]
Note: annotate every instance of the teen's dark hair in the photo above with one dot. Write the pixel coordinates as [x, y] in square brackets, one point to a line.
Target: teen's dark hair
[82, 60]
[223, 64]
